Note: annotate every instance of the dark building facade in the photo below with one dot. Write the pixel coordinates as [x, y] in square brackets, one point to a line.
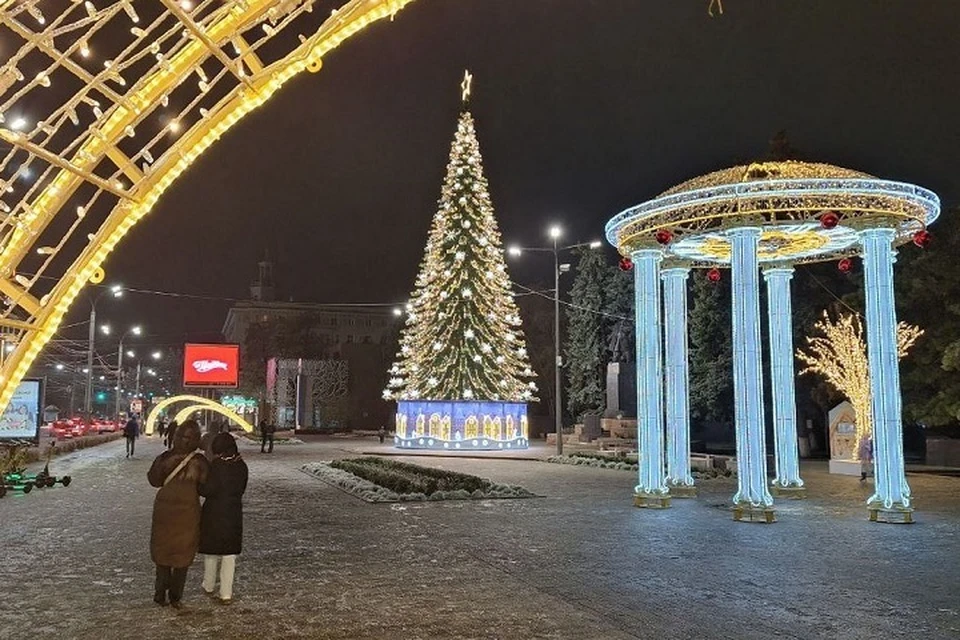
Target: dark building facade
[364, 338]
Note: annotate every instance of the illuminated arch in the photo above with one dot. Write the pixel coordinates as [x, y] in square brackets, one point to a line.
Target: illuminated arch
[103, 156]
[198, 403]
[186, 412]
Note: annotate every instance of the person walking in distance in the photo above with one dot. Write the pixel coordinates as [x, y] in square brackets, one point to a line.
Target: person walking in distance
[266, 435]
[866, 457]
[171, 430]
[382, 433]
[131, 431]
[175, 531]
[221, 523]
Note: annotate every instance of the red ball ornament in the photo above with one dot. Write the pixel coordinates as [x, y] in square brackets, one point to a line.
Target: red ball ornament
[845, 265]
[713, 275]
[829, 220]
[922, 238]
[626, 264]
[664, 236]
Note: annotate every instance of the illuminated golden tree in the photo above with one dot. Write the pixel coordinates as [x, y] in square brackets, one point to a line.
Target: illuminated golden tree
[462, 339]
[840, 356]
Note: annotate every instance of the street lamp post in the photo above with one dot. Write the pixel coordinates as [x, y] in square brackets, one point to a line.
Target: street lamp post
[135, 331]
[156, 356]
[117, 291]
[555, 232]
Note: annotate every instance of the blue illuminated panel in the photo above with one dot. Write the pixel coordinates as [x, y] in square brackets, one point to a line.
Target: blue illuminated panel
[461, 425]
[747, 370]
[782, 375]
[677, 376]
[652, 478]
[892, 490]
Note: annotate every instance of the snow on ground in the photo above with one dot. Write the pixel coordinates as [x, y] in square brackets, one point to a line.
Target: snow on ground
[580, 563]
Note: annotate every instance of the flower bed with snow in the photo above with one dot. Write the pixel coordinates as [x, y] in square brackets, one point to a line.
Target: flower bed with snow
[378, 480]
[618, 464]
[628, 464]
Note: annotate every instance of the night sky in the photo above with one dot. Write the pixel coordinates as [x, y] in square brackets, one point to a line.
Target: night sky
[583, 108]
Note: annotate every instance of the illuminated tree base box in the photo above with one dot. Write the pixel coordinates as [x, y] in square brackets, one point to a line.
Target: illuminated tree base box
[461, 425]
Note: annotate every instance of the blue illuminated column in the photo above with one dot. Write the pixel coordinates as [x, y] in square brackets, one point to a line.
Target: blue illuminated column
[652, 480]
[782, 377]
[677, 375]
[892, 491]
[747, 371]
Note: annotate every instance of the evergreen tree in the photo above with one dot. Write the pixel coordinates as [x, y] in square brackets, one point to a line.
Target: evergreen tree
[585, 349]
[927, 288]
[711, 355]
[462, 339]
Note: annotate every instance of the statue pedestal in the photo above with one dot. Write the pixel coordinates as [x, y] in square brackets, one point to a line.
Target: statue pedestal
[621, 390]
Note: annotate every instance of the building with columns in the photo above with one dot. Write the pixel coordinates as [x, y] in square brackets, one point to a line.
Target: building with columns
[764, 218]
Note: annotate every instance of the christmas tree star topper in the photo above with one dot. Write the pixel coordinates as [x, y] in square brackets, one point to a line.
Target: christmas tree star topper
[465, 86]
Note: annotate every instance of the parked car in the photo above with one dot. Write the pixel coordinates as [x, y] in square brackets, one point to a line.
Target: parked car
[62, 429]
[102, 425]
[67, 428]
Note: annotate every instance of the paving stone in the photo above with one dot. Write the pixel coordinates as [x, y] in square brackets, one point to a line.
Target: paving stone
[578, 562]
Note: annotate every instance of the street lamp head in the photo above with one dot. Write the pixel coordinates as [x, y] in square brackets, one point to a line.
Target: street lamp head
[595, 244]
[156, 355]
[59, 366]
[131, 354]
[397, 311]
[555, 232]
[106, 329]
[135, 330]
[515, 250]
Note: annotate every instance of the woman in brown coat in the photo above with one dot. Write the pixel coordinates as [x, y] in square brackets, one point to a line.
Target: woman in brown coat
[175, 534]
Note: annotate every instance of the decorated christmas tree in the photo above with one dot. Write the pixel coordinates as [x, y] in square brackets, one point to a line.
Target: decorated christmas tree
[462, 342]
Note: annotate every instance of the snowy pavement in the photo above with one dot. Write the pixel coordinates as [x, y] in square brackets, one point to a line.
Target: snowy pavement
[579, 562]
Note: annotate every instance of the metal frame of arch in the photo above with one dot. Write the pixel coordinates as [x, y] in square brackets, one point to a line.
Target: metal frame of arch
[80, 169]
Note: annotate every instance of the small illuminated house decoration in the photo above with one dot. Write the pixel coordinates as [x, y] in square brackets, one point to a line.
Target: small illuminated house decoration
[772, 215]
[462, 377]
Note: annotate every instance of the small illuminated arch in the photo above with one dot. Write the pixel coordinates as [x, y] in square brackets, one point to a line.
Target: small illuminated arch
[186, 412]
[198, 403]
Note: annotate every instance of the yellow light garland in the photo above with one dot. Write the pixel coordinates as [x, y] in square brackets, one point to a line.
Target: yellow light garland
[840, 357]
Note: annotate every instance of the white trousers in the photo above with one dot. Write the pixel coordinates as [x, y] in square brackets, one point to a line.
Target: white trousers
[228, 565]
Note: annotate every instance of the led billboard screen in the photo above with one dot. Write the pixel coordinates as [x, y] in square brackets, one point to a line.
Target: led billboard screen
[21, 419]
[211, 365]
